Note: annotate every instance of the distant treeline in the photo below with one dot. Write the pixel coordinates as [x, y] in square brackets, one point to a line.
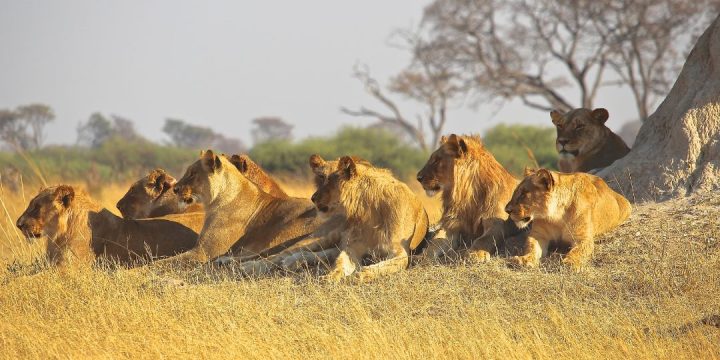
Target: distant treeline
[120, 159]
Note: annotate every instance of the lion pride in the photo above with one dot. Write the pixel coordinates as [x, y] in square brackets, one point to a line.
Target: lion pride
[584, 142]
[79, 230]
[475, 189]
[385, 221]
[239, 217]
[567, 209]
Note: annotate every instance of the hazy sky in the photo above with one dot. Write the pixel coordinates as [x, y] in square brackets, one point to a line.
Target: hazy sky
[217, 63]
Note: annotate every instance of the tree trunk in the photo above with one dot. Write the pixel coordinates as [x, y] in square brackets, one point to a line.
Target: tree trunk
[677, 151]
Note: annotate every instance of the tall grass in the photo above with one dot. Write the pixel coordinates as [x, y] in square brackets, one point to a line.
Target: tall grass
[648, 278]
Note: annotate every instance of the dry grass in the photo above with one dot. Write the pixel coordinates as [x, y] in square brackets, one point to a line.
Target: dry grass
[654, 274]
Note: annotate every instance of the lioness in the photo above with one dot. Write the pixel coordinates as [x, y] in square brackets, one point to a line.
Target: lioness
[384, 219]
[239, 217]
[475, 190]
[321, 247]
[152, 196]
[584, 142]
[79, 230]
[569, 209]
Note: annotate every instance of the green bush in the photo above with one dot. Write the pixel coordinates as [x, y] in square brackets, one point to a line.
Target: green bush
[377, 146]
[515, 145]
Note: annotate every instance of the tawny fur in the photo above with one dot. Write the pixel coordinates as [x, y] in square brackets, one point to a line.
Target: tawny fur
[475, 189]
[239, 217]
[153, 195]
[79, 230]
[385, 221]
[584, 142]
[568, 210]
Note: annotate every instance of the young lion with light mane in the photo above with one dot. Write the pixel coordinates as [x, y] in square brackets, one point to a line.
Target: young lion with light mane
[384, 219]
[475, 190]
[79, 230]
[570, 209]
[239, 217]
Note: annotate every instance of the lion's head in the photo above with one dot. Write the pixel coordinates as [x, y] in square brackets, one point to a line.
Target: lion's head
[322, 168]
[47, 212]
[257, 175]
[327, 196]
[196, 185]
[579, 131]
[531, 198]
[437, 174]
[137, 202]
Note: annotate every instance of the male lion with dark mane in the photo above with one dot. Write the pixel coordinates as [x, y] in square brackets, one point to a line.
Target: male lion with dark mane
[568, 210]
[153, 195]
[385, 221]
[584, 142]
[79, 230]
[239, 217]
[475, 190]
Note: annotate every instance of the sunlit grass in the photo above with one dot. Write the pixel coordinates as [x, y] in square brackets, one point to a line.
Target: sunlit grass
[648, 278]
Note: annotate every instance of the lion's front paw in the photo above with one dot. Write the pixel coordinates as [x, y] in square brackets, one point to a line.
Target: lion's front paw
[523, 261]
[479, 256]
[334, 276]
[573, 263]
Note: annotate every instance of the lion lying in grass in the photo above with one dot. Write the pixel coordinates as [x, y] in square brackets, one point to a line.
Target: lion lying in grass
[153, 195]
[320, 248]
[475, 189]
[79, 230]
[570, 209]
[385, 221]
[239, 217]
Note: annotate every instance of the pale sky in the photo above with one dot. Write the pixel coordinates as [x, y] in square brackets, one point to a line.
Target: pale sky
[218, 63]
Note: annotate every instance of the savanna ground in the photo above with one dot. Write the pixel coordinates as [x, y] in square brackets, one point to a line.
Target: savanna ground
[656, 273]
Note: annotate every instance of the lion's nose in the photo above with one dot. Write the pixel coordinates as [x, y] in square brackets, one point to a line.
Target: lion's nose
[176, 190]
[419, 177]
[20, 223]
[508, 209]
[314, 198]
[562, 141]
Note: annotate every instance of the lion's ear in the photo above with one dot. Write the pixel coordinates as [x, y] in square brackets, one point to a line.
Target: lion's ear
[210, 161]
[528, 171]
[545, 178]
[316, 161]
[556, 117]
[600, 115]
[157, 178]
[347, 166]
[443, 139]
[240, 163]
[165, 182]
[65, 194]
[456, 145]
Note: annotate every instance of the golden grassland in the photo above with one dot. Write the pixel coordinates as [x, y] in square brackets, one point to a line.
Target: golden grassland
[649, 278]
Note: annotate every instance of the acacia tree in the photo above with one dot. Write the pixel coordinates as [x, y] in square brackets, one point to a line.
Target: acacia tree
[23, 128]
[269, 128]
[549, 54]
[429, 80]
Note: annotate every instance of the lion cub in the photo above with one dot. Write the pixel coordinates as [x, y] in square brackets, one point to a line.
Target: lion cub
[570, 209]
[384, 219]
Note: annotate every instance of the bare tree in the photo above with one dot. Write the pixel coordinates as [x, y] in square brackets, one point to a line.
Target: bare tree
[546, 52]
[271, 128]
[644, 43]
[427, 81]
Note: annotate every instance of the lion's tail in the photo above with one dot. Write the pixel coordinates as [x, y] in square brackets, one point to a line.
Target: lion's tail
[419, 239]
